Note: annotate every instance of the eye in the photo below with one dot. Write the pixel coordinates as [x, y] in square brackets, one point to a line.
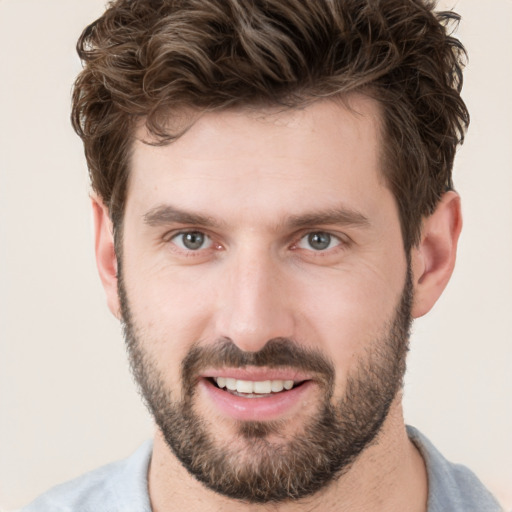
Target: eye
[192, 240]
[318, 241]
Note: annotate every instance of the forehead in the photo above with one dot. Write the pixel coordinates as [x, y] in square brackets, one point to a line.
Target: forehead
[328, 149]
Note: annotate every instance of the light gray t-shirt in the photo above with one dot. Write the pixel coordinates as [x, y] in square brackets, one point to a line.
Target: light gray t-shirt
[122, 486]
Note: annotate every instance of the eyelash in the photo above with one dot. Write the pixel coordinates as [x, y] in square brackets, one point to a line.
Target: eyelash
[331, 238]
[171, 237]
[341, 242]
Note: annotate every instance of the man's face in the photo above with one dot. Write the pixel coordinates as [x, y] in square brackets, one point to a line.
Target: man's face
[262, 251]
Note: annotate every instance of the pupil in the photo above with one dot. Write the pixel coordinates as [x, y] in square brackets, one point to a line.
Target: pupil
[319, 241]
[193, 240]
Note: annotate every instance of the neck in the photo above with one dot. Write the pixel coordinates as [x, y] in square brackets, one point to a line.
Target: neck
[389, 475]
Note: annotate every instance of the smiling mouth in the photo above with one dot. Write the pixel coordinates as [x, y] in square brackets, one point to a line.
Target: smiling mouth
[254, 389]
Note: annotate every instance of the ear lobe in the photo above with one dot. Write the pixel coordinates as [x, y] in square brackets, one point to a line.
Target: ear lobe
[433, 259]
[104, 249]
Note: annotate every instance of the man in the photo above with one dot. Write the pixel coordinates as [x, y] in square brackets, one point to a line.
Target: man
[273, 205]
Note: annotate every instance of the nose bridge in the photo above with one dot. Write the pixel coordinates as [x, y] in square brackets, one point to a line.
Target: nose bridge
[254, 307]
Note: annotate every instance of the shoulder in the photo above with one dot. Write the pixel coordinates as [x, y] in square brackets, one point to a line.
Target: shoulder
[119, 486]
[451, 486]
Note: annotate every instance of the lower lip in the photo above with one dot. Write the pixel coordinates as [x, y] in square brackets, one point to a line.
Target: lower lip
[266, 408]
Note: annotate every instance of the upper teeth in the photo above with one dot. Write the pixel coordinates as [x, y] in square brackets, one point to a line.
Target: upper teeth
[249, 386]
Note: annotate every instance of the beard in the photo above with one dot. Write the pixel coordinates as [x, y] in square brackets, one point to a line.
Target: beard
[260, 464]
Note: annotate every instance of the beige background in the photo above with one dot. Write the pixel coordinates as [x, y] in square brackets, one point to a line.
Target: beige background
[67, 403]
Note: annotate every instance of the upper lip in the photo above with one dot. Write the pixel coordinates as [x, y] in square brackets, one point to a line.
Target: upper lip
[257, 374]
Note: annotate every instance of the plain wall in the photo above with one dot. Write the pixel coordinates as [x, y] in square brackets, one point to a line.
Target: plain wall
[67, 402]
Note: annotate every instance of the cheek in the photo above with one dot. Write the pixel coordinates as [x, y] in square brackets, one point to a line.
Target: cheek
[170, 312]
[346, 315]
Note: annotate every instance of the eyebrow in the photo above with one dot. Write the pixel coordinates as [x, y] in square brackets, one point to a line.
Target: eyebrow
[166, 214]
[340, 216]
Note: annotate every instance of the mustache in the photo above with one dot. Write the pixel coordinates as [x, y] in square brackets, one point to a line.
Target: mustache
[276, 353]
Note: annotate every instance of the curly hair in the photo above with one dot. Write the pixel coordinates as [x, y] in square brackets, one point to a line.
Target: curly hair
[150, 60]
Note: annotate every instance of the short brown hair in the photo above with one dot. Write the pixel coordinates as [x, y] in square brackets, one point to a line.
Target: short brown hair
[148, 59]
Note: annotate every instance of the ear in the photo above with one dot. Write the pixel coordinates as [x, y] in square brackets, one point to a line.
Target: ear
[433, 259]
[106, 260]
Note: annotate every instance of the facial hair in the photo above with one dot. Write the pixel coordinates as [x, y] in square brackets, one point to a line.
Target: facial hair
[256, 468]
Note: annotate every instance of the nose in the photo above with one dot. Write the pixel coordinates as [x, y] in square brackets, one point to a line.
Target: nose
[254, 301]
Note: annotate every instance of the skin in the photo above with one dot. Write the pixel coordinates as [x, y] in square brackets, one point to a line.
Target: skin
[252, 173]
